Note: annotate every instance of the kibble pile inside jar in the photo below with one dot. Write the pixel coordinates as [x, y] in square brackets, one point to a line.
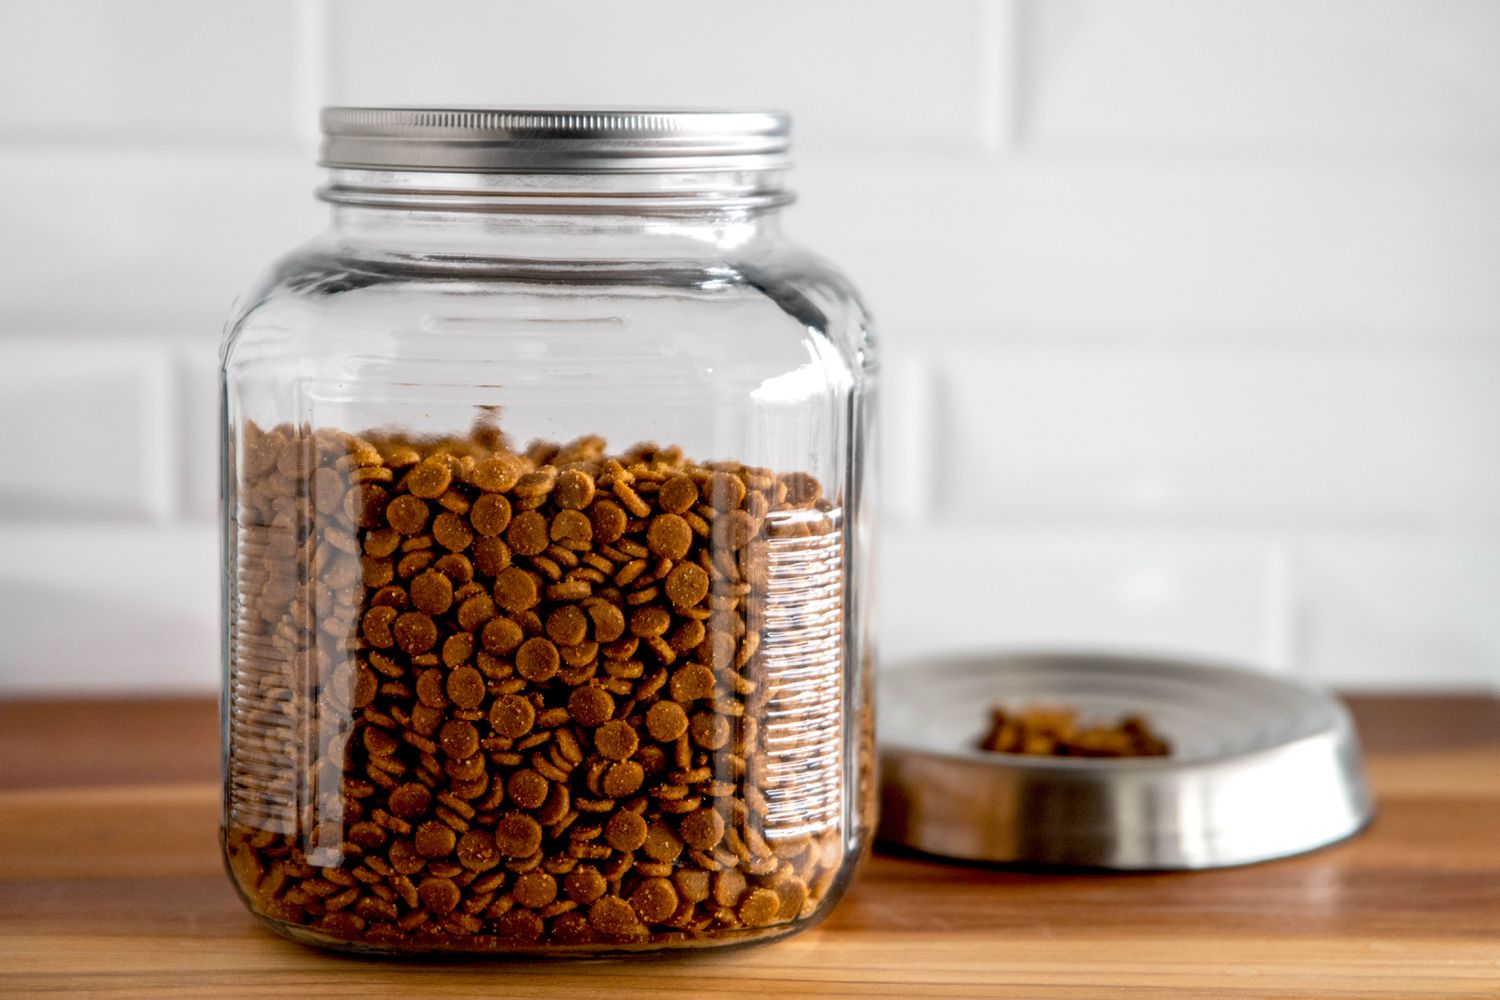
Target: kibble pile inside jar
[486, 698]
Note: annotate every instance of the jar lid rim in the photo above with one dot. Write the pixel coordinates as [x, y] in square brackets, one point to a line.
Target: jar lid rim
[558, 139]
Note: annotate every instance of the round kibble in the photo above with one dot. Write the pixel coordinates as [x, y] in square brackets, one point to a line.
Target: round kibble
[527, 789]
[431, 592]
[407, 514]
[654, 900]
[512, 716]
[376, 627]
[662, 844]
[591, 706]
[609, 621]
[572, 528]
[466, 687]
[625, 831]
[669, 536]
[537, 660]
[455, 567]
[609, 521]
[692, 884]
[666, 721]
[686, 636]
[434, 839]
[438, 895]
[501, 636]
[429, 479]
[496, 474]
[584, 884]
[490, 514]
[677, 494]
[458, 738]
[616, 739]
[519, 926]
[710, 730]
[491, 556]
[613, 916]
[649, 621]
[527, 534]
[729, 886]
[535, 889]
[573, 490]
[567, 626]
[725, 491]
[702, 829]
[475, 611]
[515, 589]
[759, 908]
[518, 835]
[623, 779]
[477, 851]
[687, 585]
[415, 633]
[692, 682]
[452, 532]
[410, 800]
[793, 895]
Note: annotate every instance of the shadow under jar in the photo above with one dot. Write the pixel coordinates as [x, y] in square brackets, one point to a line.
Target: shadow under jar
[546, 535]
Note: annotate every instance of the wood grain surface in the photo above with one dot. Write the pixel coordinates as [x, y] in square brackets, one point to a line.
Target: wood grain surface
[111, 885]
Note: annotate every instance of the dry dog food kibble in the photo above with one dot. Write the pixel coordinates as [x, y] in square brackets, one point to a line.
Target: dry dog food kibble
[494, 700]
[1056, 732]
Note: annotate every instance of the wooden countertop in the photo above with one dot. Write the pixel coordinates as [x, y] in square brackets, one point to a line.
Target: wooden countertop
[111, 885]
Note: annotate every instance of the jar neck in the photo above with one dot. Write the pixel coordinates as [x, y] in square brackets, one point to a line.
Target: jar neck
[668, 216]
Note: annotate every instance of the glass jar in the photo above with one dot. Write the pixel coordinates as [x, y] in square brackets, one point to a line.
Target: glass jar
[546, 536]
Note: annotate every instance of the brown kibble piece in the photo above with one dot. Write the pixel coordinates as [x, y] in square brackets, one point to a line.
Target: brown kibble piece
[410, 800]
[677, 495]
[729, 886]
[429, 479]
[537, 660]
[710, 730]
[518, 835]
[669, 536]
[613, 916]
[702, 829]
[407, 514]
[414, 633]
[535, 889]
[591, 706]
[1056, 732]
[609, 621]
[649, 621]
[490, 514]
[567, 626]
[654, 900]
[666, 721]
[477, 851]
[527, 534]
[452, 532]
[512, 716]
[434, 839]
[573, 490]
[616, 739]
[501, 636]
[458, 738]
[692, 682]
[466, 687]
[527, 789]
[687, 585]
[609, 521]
[623, 779]
[515, 589]
[572, 528]
[625, 831]
[439, 895]
[496, 474]
[661, 843]
[584, 884]
[431, 592]
[759, 908]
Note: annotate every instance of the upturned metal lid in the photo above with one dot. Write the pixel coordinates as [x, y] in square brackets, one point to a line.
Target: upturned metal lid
[1260, 767]
[553, 140]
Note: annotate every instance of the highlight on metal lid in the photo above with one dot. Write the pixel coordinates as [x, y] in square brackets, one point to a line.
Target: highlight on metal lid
[552, 140]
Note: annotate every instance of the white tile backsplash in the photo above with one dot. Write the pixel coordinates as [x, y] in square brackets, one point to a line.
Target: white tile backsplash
[867, 73]
[1190, 311]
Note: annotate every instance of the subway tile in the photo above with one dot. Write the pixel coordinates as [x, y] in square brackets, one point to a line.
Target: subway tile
[108, 608]
[1274, 435]
[197, 444]
[978, 588]
[148, 70]
[858, 74]
[88, 432]
[1178, 247]
[1262, 76]
[1403, 610]
[145, 243]
[906, 433]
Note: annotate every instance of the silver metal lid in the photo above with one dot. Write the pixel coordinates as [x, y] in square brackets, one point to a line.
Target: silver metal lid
[553, 140]
[1261, 767]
